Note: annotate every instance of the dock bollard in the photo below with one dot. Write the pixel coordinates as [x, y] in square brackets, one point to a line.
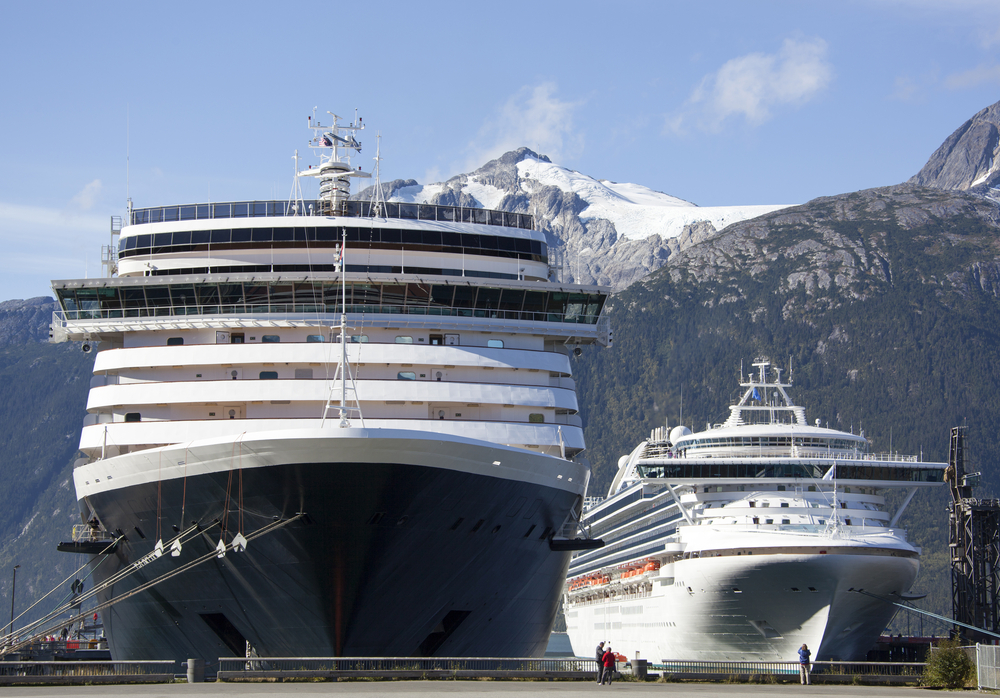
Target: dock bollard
[639, 666]
[196, 670]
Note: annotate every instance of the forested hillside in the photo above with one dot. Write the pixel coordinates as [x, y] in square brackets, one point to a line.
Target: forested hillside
[885, 304]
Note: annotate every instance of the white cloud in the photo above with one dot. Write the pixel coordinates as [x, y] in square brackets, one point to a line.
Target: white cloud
[753, 85]
[87, 197]
[981, 74]
[534, 117]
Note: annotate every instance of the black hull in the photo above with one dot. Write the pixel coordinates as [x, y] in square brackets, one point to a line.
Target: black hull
[392, 560]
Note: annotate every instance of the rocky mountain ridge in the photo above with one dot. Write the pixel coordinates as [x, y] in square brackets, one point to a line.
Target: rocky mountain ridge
[969, 159]
[586, 243]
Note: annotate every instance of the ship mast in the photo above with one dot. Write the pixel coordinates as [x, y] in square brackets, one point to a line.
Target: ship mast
[334, 144]
[343, 373]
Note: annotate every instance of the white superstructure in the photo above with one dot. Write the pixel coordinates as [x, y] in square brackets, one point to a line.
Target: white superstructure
[746, 540]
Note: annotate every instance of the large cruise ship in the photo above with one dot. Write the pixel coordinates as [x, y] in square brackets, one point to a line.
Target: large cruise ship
[744, 541]
[329, 427]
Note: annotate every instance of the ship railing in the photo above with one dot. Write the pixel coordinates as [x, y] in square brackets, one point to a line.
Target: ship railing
[800, 453]
[350, 209]
[821, 671]
[161, 312]
[85, 533]
[235, 668]
[93, 671]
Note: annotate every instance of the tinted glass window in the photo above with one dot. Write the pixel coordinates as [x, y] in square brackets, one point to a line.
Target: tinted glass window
[220, 236]
[270, 339]
[406, 376]
[268, 375]
[241, 235]
[442, 295]
[489, 298]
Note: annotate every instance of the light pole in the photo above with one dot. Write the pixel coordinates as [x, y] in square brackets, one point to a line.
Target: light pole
[13, 585]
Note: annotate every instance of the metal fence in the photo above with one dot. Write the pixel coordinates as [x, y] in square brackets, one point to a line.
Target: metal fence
[889, 672]
[235, 669]
[988, 666]
[159, 671]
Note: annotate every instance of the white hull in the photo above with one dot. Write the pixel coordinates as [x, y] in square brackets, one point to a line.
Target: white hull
[714, 621]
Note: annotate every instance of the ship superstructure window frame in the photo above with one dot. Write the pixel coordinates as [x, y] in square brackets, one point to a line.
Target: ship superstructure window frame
[278, 296]
[707, 468]
[328, 237]
[350, 209]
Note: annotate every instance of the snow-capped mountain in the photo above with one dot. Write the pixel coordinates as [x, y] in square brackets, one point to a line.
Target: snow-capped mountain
[599, 231]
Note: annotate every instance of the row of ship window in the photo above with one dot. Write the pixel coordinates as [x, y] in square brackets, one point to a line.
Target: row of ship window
[350, 209]
[239, 338]
[763, 441]
[320, 297]
[845, 471]
[130, 417]
[311, 268]
[322, 237]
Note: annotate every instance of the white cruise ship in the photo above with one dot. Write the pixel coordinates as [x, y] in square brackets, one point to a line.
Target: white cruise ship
[744, 541]
[366, 408]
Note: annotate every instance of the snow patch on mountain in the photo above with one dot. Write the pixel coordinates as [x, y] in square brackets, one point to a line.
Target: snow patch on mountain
[637, 211]
[418, 194]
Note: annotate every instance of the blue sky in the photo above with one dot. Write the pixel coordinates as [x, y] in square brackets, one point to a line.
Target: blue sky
[719, 103]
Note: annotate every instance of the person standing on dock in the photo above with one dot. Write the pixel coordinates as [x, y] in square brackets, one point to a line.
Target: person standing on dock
[609, 661]
[600, 661]
[804, 655]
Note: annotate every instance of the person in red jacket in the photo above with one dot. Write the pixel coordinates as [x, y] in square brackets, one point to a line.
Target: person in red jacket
[609, 660]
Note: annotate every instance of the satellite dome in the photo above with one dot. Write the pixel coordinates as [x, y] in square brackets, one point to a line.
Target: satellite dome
[677, 432]
[622, 461]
